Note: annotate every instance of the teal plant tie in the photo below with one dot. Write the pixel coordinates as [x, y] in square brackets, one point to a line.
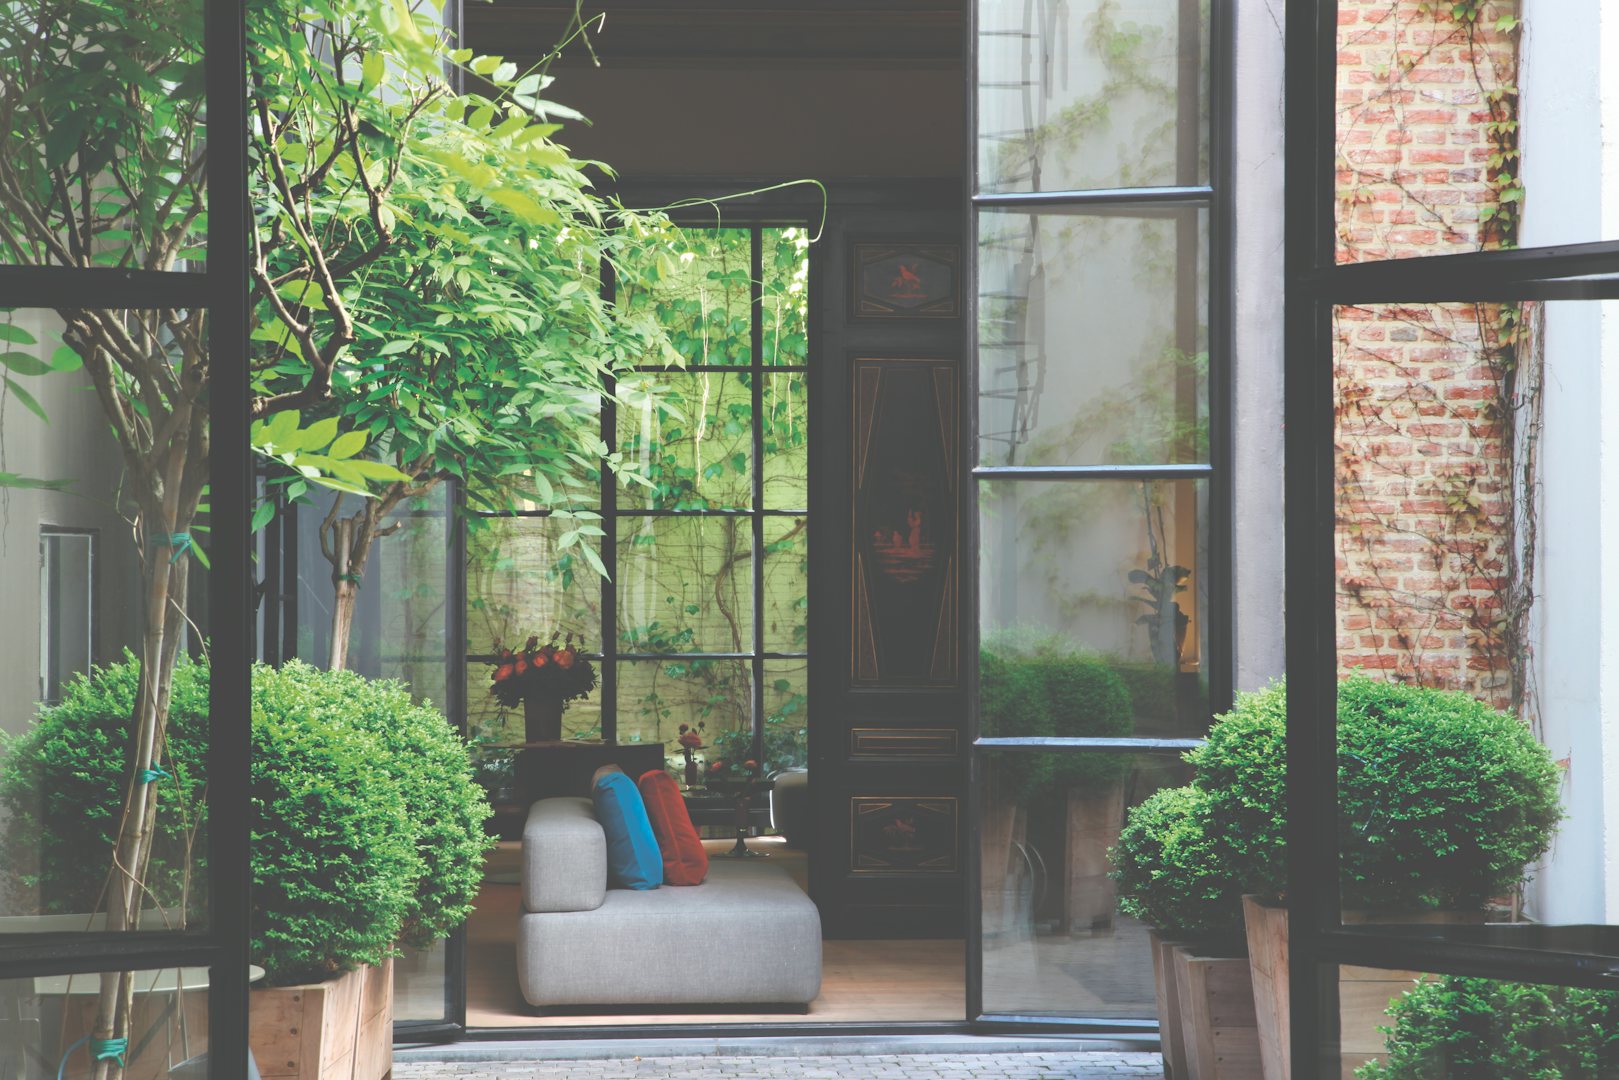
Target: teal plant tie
[100, 1050]
[156, 772]
[181, 542]
[109, 1050]
[354, 579]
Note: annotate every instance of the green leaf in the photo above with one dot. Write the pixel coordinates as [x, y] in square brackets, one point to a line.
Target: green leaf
[347, 444]
[24, 363]
[17, 480]
[372, 71]
[27, 400]
[65, 359]
[262, 515]
[16, 334]
[318, 434]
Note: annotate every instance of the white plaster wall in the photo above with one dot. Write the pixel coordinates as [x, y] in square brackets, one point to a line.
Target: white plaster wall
[1570, 102]
[1256, 353]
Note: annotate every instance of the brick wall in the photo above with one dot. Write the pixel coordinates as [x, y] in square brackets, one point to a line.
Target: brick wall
[1425, 466]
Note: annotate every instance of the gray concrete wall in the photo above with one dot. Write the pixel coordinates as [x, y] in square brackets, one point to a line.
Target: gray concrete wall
[76, 444]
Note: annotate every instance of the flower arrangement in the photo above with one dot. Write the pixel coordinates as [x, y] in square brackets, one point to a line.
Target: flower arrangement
[548, 672]
[691, 740]
[738, 780]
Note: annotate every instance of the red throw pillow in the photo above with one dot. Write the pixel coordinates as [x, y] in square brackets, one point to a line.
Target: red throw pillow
[684, 860]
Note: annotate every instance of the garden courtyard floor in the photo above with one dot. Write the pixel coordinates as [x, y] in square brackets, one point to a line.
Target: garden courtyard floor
[960, 1066]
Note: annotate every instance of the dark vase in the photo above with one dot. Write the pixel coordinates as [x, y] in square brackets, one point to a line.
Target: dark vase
[542, 720]
[691, 768]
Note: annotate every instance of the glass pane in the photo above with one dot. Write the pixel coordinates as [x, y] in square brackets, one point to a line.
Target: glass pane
[1465, 134]
[690, 437]
[1420, 1026]
[104, 122]
[786, 599]
[44, 1020]
[411, 571]
[67, 608]
[1093, 598]
[714, 697]
[1092, 94]
[786, 714]
[1471, 640]
[1056, 941]
[419, 983]
[74, 581]
[785, 315]
[521, 581]
[786, 440]
[685, 584]
[1092, 338]
[703, 297]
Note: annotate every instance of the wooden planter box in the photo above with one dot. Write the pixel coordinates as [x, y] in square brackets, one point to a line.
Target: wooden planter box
[1172, 1042]
[1219, 1031]
[1363, 993]
[336, 1030]
[1095, 819]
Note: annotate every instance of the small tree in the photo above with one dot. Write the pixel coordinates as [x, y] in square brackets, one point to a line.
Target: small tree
[423, 268]
[426, 273]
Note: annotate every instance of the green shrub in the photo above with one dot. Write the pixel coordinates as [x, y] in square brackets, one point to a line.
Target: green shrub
[1170, 867]
[1012, 701]
[1479, 1029]
[59, 787]
[1085, 700]
[334, 856]
[367, 829]
[1444, 802]
[1036, 684]
[1152, 689]
[444, 806]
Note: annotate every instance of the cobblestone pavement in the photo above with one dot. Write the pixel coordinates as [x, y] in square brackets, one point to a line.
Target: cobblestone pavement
[1021, 1066]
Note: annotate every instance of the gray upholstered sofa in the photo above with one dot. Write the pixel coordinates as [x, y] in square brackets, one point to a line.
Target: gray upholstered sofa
[746, 935]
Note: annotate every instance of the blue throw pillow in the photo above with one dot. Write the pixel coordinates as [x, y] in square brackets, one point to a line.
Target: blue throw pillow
[633, 858]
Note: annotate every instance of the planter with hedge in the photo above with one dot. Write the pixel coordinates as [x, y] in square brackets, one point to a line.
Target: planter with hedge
[1444, 801]
[1047, 688]
[367, 836]
[1465, 1028]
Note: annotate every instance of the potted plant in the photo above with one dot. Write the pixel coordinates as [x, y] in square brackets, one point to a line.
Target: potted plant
[1466, 1028]
[543, 679]
[1035, 684]
[1173, 873]
[1444, 802]
[367, 836]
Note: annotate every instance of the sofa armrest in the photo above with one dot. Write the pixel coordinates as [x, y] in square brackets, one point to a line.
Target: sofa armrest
[564, 857]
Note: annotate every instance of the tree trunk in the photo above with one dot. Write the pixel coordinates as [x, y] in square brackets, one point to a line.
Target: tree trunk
[165, 594]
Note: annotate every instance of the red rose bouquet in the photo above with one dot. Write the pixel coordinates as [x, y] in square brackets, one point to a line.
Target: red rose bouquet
[548, 672]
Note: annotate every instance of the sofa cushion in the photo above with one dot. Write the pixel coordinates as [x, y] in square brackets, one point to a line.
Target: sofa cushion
[638, 947]
[684, 860]
[564, 857]
[633, 859]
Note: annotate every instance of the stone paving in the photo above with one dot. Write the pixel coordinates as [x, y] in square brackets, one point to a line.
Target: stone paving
[1017, 1066]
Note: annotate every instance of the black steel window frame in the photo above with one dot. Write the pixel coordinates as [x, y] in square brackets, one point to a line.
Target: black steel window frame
[1215, 199]
[221, 287]
[611, 653]
[1315, 285]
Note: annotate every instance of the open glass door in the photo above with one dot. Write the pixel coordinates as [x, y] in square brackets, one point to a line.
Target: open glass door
[1100, 477]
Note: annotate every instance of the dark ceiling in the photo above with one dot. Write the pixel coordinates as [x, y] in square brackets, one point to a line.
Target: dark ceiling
[726, 32]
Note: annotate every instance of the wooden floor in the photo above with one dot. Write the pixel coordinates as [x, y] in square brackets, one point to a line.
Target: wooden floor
[861, 981]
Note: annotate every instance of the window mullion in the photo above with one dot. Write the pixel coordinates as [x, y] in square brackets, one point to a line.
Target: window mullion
[756, 518]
